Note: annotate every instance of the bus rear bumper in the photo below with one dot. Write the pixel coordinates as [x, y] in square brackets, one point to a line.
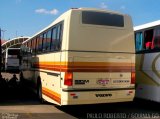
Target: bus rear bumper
[96, 97]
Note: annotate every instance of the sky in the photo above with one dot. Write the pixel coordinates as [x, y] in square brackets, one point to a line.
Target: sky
[27, 17]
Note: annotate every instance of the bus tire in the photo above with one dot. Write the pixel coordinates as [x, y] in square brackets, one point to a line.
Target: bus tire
[39, 91]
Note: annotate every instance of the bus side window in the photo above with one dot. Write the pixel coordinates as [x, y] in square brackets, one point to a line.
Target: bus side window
[34, 45]
[44, 41]
[139, 41]
[148, 37]
[37, 44]
[53, 40]
[48, 40]
[156, 40]
[59, 35]
[40, 43]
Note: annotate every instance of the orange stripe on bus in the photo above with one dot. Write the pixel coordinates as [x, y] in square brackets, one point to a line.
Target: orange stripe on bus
[86, 66]
[86, 69]
[86, 63]
[53, 95]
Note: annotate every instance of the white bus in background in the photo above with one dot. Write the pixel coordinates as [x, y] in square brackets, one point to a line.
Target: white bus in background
[147, 38]
[86, 56]
[12, 59]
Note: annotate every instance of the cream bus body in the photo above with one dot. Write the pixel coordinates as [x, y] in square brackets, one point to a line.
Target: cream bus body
[94, 61]
[147, 39]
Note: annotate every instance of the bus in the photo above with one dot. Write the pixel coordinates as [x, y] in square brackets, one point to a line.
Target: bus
[85, 56]
[11, 61]
[147, 40]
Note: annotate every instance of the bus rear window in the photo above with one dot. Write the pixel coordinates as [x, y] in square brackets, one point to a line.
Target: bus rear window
[99, 18]
[13, 52]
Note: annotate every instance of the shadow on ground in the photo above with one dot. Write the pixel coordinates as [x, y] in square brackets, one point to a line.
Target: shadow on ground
[17, 95]
[135, 109]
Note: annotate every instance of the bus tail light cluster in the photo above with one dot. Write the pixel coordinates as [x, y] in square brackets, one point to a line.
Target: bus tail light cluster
[68, 80]
[133, 78]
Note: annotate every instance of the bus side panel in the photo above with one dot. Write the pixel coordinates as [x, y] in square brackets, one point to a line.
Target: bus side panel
[49, 72]
[47, 68]
[147, 76]
[52, 91]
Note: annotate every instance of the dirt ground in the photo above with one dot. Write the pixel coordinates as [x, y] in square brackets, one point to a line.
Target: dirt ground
[8, 76]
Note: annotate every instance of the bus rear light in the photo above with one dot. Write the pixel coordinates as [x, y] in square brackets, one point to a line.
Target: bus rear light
[72, 94]
[130, 91]
[68, 80]
[133, 78]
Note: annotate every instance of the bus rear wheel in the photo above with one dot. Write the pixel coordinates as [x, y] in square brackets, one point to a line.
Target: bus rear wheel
[39, 92]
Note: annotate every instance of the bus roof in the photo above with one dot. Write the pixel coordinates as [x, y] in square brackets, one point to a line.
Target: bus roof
[147, 25]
